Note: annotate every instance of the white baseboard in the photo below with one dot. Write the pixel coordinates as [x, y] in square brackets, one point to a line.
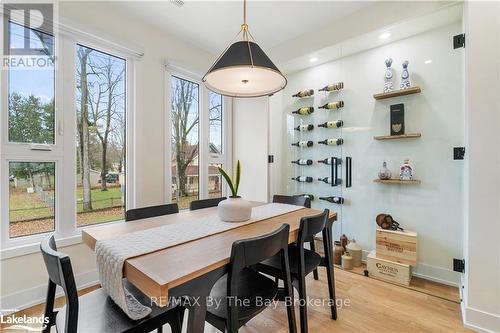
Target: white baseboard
[36, 295]
[480, 321]
[433, 273]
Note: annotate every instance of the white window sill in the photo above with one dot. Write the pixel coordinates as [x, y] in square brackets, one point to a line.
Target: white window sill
[22, 250]
[34, 246]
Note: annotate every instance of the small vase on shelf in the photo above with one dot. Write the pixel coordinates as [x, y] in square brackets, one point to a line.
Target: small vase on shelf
[406, 171]
[384, 172]
[388, 85]
[405, 76]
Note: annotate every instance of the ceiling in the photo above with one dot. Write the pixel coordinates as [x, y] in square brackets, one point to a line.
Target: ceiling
[211, 25]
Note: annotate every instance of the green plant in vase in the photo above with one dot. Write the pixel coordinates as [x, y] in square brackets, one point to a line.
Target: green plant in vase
[233, 186]
[234, 209]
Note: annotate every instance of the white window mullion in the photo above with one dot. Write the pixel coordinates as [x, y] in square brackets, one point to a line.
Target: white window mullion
[203, 146]
[168, 138]
[66, 86]
[130, 164]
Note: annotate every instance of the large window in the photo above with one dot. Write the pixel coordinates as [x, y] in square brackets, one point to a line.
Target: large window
[31, 91]
[198, 141]
[185, 159]
[31, 198]
[100, 136]
[74, 95]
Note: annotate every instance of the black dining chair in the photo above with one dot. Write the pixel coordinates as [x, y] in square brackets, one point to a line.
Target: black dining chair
[205, 203]
[243, 292]
[304, 261]
[298, 200]
[95, 311]
[151, 211]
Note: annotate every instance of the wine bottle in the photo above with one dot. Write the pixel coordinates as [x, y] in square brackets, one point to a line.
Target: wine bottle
[304, 128]
[332, 124]
[328, 180]
[304, 93]
[310, 196]
[329, 160]
[333, 105]
[337, 200]
[303, 179]
[303, 144]
[303, 162]
[333, 87]
[332, 142]
[304, 111]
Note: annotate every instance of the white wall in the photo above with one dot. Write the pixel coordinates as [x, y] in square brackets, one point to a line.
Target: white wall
[481, 306]
[250, 146]
[433, 209]
[23, 279]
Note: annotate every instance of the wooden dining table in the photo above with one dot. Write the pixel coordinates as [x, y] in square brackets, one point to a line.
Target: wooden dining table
[189, 269]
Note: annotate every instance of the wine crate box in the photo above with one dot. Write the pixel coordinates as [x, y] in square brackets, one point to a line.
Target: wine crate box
[388, 270]
[398, 246]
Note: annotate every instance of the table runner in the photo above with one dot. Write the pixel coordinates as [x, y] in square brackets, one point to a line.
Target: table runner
[112, 253]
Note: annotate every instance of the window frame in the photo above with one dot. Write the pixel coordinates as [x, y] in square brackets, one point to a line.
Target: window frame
[204, 158]
[63, 151]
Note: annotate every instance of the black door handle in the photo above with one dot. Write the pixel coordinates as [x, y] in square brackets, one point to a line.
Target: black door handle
[348, 171]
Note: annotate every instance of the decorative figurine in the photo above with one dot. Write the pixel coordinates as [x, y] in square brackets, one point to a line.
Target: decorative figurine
[388, 76]
[344, 240]
[406, 171]
[405, 76]
[385, 221]
[384, 172]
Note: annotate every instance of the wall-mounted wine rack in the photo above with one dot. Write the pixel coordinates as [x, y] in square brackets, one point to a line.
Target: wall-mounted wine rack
[301, 128]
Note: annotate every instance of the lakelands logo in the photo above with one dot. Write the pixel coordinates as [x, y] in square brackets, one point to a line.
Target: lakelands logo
[23, 323]
[28, 35]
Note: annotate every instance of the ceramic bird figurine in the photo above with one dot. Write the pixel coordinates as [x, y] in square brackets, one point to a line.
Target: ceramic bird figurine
[405, 76]
[388, 86]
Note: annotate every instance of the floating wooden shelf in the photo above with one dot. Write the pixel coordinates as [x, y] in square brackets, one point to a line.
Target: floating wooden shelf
[397, 181]
[395, 137]
[395, 93]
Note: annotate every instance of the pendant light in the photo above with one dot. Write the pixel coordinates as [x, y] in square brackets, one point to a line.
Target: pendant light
[243, 69]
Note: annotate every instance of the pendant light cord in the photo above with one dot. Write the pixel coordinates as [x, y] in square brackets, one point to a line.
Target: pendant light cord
[245, 12]
[245, 34]
[244, 26]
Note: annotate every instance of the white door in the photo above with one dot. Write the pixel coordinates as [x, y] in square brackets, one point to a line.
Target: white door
[250, 146]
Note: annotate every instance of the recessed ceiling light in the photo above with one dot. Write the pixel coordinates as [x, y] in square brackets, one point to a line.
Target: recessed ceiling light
[385, 35]
[428, 62]
[313, 59]
[178, 3]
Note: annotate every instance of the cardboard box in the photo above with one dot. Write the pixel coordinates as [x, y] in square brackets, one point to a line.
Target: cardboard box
[398, 246]
[388, 270]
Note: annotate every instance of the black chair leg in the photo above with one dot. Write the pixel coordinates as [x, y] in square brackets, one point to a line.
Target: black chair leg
[176, 320]
[330, 272]
[288, 291]
[303, 303]
[313, 248]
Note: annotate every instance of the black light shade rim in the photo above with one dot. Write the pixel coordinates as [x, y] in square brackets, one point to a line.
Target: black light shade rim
[225, 93]
[244, 54]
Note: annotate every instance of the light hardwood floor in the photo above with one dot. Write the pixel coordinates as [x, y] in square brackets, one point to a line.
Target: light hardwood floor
[375, 306]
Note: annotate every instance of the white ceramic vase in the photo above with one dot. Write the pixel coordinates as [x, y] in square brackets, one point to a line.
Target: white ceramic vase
[234, 210]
